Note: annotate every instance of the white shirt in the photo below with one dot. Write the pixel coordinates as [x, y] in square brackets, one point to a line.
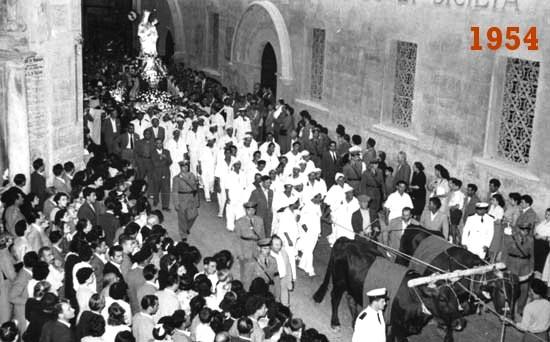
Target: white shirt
[342, 219]
[543, 229]
[335, 197]
[204, 333]
[477, 234]
[140, 127]
[281, 267]
[113, 124]
[395, 204]
[112, 330]
[168, 303]
[456, 198]
[370, 326]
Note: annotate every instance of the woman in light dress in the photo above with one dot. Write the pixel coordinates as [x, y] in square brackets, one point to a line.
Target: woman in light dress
[439, 187]
[542, 235]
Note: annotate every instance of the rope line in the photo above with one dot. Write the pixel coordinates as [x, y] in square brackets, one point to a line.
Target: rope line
[478, 300]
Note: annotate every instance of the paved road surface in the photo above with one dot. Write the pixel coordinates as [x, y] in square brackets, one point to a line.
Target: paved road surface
[210, 236]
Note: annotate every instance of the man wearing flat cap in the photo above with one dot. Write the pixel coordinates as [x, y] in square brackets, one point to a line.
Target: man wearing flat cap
[262, 266]
[370, 323]
[478, 231]
[372, 185]
[185, 198]
[519, 257]
[249, 230]
[354, 169]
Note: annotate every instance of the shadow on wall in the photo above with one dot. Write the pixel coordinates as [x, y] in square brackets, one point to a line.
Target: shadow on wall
[236, 81]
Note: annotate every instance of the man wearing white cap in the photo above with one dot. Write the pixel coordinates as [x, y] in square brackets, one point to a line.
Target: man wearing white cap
[310, 228]
[222, 171]
[178, 149]
[341, 218]
[288, 230]
[306, 156]
[477, 233]
[207, 166]
[335, 196]
[246, 150]
[235, 187]
[195, 140]
[370, 323]
[241, 124]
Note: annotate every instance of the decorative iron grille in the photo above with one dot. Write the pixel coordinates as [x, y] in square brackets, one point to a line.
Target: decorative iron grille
[317, 63]
[518, 110]
[403, 94]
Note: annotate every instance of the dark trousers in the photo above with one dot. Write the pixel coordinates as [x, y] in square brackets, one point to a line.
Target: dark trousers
[160, 185]
[454, 216]
[143, 169]
[184, 223]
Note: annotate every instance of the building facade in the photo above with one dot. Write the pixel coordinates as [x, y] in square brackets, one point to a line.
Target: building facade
[40, 84]
[406, 72]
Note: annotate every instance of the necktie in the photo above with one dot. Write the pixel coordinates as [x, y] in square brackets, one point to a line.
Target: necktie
[378, 315]
[251, 223]
[266, 265]
[132, 142]
[333, 156]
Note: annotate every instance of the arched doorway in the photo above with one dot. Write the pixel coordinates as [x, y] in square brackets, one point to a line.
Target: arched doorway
[168, 48]
[269, 69]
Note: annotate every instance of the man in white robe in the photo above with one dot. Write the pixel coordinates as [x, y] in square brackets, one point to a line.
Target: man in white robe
[342, 217]
[207, 167]
[235, 189]
[310, 228]
[178, 149]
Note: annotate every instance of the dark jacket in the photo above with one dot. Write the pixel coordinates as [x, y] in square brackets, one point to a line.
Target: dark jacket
[38, 186]
[88, 212]
[55, 331]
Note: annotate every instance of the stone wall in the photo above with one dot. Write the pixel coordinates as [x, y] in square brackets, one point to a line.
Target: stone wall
[456, 106]
[43, 62]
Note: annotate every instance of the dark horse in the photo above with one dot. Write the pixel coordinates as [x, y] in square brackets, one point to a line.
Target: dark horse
[501, 287]
[349, 265]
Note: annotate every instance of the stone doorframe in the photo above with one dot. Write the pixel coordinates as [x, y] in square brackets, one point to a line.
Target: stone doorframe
[262, 23]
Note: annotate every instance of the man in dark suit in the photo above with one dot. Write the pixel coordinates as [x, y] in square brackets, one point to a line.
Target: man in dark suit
[316, 146]
[470, 201]
[263, 196]
[354, 169]
[108, 221]
[38, 182]
[160, 180]
[402, 170]
[135, 278]
[157, 132]
[115, 259]
[126, 143]
[60, 329]
[330, 164]
[110, 130]
[143, 151]
[97, 261]
[88, 209]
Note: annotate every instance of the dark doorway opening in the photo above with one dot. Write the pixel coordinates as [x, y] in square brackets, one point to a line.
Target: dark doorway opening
[168, 48]
[269, 69]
